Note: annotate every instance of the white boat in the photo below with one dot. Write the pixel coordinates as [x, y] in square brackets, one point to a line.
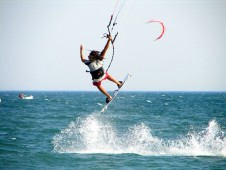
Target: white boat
[22, 96]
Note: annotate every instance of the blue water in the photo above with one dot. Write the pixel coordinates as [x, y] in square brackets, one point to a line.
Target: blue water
[140, 130]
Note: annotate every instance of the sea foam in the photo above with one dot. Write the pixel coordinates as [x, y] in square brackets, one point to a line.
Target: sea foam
[94, 134]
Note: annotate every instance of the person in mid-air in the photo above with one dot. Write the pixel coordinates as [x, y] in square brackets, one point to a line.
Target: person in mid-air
[95, 64]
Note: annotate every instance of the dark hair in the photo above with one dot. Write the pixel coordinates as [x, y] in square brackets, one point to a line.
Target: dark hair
[96, 54]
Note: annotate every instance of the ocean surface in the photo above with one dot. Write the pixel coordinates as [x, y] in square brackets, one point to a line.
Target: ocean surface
[139, 130]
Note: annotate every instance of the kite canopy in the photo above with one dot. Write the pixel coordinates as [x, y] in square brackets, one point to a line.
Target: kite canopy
[163, 27]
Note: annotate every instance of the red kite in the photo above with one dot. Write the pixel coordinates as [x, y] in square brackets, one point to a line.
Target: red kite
[163, 28]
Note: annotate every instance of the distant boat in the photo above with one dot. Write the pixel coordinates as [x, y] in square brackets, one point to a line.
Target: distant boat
[22, 96]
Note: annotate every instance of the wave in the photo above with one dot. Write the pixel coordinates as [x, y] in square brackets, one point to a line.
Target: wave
[93, 134]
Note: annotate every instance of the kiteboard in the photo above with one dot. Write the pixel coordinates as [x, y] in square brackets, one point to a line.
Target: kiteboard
[115, 93]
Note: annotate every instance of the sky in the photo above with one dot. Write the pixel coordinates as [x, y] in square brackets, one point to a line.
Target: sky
[40, 42]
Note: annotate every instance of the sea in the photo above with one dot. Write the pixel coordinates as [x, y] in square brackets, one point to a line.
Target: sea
[139, 130]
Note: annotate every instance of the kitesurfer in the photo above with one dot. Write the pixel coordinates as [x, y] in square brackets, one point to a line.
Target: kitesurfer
[95, 64]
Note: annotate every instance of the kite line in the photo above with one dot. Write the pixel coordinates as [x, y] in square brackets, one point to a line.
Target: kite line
[110, 30]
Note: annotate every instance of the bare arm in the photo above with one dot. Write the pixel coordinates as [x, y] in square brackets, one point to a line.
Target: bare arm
[106, 46]
[81, 54]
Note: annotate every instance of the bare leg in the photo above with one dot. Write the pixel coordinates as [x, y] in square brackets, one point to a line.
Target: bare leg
[104, 92]
[111, 78]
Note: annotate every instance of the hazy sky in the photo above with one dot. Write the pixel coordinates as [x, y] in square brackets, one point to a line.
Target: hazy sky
[40, 40]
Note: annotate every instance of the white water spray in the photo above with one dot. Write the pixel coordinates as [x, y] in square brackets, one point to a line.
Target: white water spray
[93, 134]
